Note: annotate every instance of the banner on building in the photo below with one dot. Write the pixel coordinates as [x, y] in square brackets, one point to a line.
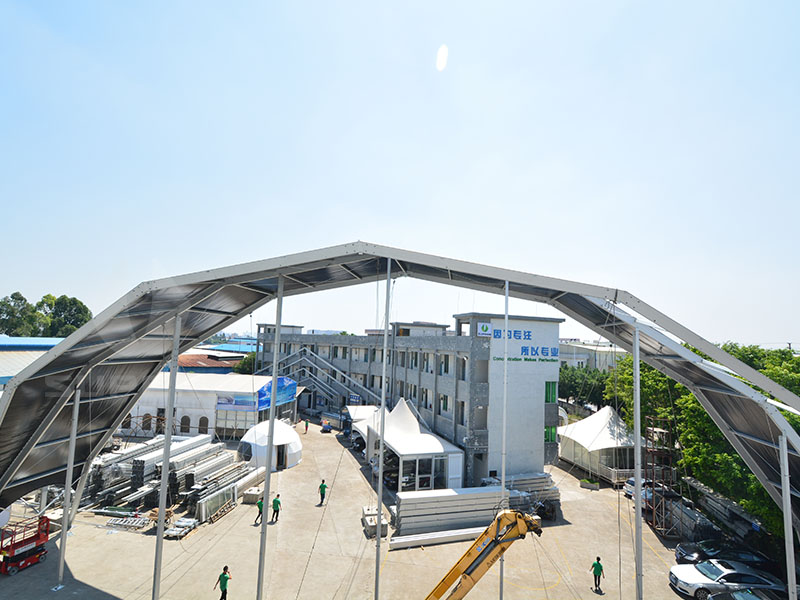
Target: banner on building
[287, 390]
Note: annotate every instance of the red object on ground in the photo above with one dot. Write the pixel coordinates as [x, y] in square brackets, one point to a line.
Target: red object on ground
[22, 544]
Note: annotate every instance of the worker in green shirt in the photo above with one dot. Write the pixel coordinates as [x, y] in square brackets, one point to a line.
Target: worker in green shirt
[597, 571]
[322, 488]
[260, 515]
[222, 581]
[276, 507]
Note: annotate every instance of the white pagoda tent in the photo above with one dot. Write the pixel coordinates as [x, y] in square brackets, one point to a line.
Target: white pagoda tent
[600, 444]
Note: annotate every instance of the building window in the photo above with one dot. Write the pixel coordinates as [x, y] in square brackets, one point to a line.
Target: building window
[444, 365]
[413, 360]
[462, 368]
[146, 421]
[336, 352]
[551, 392]
[365, 354]
[443, 405]
[460, 405]
[550, 433]
[203, 428]
[401, 359]
[344, 352]
[126, 422]
[185, 423]
[412, 391]
[425, 402]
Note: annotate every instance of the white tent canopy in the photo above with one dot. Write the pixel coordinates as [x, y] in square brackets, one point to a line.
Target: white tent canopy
[360, 412]
[406, 436]
[604, 429]
[600, 444]
[288, 449]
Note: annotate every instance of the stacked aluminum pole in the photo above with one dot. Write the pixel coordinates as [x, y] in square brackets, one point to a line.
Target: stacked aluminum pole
[379, 527]
[637, 462]
[788, 533]
[162, 492]
[65, 512]
[503, 493]
[273, 400]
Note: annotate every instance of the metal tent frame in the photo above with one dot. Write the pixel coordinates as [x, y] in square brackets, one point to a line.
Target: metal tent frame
[113, 357]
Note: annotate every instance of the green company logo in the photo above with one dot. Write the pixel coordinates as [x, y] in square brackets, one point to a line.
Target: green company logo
[484, 330]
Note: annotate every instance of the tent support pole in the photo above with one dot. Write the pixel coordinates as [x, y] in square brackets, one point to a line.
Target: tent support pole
[273, 400]
[379, 524]
[503, 494]
[162, 492]
[65, 511]
[637, 461]
[788, 532]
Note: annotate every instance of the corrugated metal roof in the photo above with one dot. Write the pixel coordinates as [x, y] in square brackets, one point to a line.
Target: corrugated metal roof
[27, 343]
[115, 356]
[13, 361]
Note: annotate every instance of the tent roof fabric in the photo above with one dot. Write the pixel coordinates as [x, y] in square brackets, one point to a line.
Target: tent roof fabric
[359, 412]
[407, 437]
[211, 382]
[284, 434]
[604, 429]
[114, 356]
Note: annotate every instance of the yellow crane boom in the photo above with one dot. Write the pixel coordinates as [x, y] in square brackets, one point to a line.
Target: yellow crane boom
[508, 527]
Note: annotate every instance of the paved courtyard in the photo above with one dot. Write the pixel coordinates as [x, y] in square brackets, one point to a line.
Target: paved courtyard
[321, 552]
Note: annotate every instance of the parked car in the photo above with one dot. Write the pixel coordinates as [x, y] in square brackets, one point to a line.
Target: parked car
[693, 553]
[630, 485]
[751, 595]
[711, 576]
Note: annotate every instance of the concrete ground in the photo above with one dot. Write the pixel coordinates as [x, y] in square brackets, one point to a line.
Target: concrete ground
[320, 552]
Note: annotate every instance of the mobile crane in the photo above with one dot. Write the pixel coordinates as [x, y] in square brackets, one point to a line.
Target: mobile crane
[508, 527]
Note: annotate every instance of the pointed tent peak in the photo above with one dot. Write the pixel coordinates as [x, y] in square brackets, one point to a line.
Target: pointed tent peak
[603, 429]
[402, 418]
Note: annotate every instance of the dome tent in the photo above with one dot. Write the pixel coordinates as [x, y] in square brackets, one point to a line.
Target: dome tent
[288, 449]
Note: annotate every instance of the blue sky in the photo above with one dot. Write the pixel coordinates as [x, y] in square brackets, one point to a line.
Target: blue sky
[648, 147]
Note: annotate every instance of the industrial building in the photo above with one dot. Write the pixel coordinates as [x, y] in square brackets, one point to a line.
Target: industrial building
[454, 380]
[225, 405]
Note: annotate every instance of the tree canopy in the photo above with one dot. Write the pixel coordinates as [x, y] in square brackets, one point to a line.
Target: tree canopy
[50, 317]
[245, 366]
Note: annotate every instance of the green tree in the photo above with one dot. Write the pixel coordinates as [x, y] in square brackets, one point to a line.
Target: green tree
[18, 317]
[51, 316]
[582, 384]
[67, 314]
[245, 366]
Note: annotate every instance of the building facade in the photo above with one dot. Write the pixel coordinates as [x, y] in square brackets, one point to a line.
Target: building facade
[454, 380]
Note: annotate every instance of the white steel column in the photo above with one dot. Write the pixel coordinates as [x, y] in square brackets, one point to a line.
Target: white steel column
[637, 462]
[503, 494]
[273, 397]
[65, 511]
[788, 532]
[162, 492]
[379, 527]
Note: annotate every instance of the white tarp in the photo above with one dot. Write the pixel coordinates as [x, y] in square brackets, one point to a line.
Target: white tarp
[285, 435]
[604, 429]
[360, 412]
[406, 436]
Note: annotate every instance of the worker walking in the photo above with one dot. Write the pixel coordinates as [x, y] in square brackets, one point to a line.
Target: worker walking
[222, 581]
[597, 571]
[322, 488]
[260, 515]
[276, 507]
[306, 431]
